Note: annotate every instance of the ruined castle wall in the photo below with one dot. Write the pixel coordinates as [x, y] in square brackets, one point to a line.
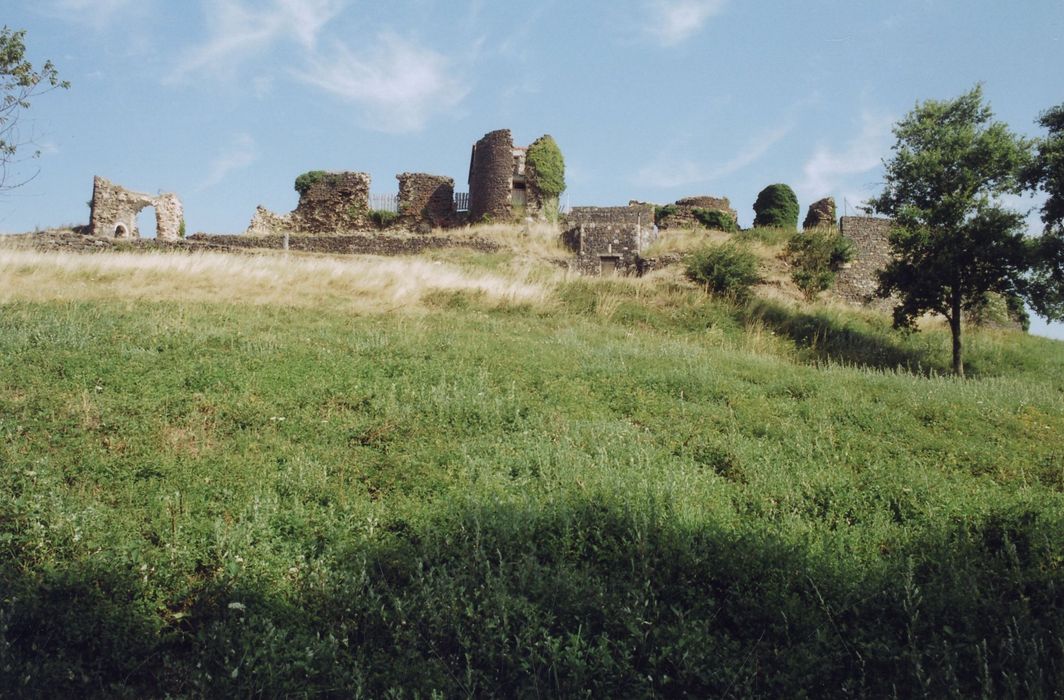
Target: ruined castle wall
[491, 171]
[115, 209]
[336, 202]
[608, 240]
[425, 200]
[857, 281]
[684, 215]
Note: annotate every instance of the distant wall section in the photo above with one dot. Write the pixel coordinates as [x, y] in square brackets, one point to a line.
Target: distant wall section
[857, 281]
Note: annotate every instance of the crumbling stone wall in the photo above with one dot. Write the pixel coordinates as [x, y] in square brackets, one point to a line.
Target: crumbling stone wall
[425, 201]
[857, 281]
[609, 240]
[491, 171]
[821, 214]
[336, 202]
[114, 212]
[684, 214]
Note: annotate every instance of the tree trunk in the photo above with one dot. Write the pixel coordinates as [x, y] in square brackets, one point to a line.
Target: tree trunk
[955, 329]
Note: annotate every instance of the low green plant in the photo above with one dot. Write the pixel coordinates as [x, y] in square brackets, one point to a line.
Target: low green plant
[308, 179]
[728, 270]
[383, 218]
[815, 257]
[776, 207]
[716, 220]
[181, 229]
[663, 212]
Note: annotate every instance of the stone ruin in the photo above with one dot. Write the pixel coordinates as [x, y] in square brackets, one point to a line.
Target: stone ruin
[500, 184]
[821, 214]
[609, 240]
[682, 212]
[857, 281]
[115, 210]
[426, 201]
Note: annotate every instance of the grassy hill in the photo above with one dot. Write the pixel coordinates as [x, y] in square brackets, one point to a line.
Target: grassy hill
[473, 474]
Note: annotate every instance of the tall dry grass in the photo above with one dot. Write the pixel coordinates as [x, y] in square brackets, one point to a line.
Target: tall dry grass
[361, 284]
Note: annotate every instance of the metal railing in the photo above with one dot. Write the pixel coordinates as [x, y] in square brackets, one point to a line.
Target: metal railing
[461, 201]
[384, 202]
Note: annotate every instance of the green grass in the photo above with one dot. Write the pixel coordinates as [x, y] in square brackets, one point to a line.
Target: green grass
[630, 491]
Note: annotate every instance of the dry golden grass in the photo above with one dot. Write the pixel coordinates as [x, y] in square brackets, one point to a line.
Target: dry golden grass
[360, 284]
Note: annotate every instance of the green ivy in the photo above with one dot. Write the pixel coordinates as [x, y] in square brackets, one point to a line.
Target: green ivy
[716, 220]
[546, 166]
[776, 206]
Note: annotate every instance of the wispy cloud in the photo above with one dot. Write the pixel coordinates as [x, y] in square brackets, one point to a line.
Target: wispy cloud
[828, 168]
[239, 32]
[668, 173]
[398, 85]
[97, 14]
[239, 154]
[672, 22]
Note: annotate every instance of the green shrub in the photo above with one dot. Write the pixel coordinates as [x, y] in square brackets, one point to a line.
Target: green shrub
[815, 257]
[383, 218]
[716, 220]
[776, 206]
[181, 229]
[663, 212]
[307, 180]
[546, 166]
[727, 270]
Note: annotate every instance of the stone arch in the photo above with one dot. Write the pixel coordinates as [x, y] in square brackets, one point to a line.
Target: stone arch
[115, 210]
[121, 231]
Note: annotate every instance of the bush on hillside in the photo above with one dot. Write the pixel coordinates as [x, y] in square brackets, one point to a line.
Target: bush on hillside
[726, 270]
[776, 206]
[663, 212]
[383, 218]
[716, 220]
[308, 179]
[815, 256]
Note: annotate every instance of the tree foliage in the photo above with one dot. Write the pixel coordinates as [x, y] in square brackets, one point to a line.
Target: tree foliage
[815, 257]
[19, 83]
[776, 207]
[953, 241]
[546, 166]
[1046, 173]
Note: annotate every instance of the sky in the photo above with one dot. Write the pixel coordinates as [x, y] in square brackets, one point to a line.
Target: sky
[225, 102]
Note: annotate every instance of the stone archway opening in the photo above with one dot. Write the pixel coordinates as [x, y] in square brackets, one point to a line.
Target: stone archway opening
[115, 212]
[121, 231]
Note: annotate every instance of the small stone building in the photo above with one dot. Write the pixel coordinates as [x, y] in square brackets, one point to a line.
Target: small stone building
[114, 211]
[609, 240]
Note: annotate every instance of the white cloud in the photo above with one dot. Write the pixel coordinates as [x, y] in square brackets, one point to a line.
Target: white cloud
[672, 22]
[397, 84]
[828, 169]
[238, 32]
[665, 173]
[241, 153]
[97, 14]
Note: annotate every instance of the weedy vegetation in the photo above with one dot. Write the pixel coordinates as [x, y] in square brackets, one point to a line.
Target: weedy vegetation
[476, 475]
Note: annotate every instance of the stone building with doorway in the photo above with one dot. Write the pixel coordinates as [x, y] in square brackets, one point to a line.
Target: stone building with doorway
[501, 186]
[114, 211]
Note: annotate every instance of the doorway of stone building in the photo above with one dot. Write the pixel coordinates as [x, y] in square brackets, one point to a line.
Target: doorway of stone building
[609, 265]
[146, 222]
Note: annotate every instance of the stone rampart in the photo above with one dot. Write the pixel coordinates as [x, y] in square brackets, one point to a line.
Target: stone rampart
[857, 281]
[425, 201]
[334, 202]
[682, 212]
[491, 169]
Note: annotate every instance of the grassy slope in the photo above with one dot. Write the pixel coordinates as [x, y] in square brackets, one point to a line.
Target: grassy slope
[601, 486]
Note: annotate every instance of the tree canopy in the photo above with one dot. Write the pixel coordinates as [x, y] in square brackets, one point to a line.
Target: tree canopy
[1046, 173]
[954, 242]
[19, 82]
[544, 160]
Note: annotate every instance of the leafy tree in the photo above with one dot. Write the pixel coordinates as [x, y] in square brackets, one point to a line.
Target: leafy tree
[953, 241]
[1046, 173]
[546, 166]
[816, 256]
[776, 207]
[19, 82]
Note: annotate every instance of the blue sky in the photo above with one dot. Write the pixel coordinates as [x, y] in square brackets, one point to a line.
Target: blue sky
[226, 101]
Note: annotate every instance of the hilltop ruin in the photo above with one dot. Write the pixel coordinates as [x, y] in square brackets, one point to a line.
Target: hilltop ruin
[114, 211]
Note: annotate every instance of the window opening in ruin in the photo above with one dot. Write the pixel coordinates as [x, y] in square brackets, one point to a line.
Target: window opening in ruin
[146, 223]
[609, 264]
[121, 231]
[519, 197]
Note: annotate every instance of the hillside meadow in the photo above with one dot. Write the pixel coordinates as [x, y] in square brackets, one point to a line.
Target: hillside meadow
[472, 474]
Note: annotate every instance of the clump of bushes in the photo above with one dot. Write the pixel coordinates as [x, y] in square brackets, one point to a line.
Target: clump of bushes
[308, 179]
[546, 167]
[815, 256]
[383, 218]
[776, 207]
[663, 212]
[728, 270]
[716, 220]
